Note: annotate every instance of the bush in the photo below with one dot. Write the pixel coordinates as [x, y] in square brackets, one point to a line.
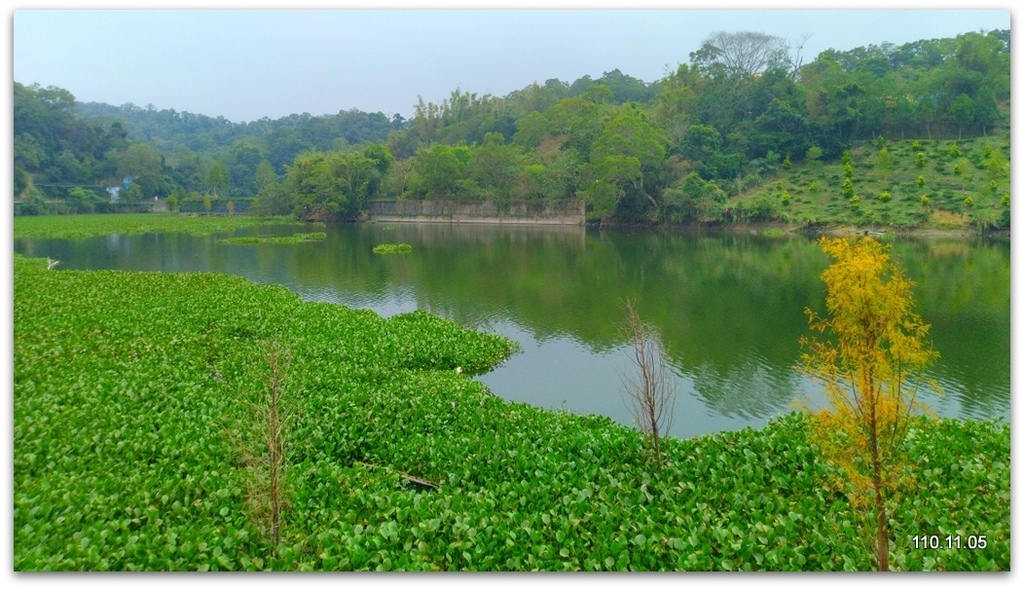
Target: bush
[759, 208]
[847, 189]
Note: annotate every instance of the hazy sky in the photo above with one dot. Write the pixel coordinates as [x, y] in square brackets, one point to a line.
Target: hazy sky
[247, 64]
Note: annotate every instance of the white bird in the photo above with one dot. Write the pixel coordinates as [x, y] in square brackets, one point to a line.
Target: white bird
[51, 263]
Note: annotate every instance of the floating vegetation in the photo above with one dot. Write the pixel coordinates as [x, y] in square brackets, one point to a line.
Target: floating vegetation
[392, 248]
[296, 238]
[82, 226]
[129, 388]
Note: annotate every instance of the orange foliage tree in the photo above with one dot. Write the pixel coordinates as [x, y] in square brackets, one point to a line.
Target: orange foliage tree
[871, 365]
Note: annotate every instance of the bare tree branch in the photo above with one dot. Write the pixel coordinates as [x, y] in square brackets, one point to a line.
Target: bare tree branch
[649, 393]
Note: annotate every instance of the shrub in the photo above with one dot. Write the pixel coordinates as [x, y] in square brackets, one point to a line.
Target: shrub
[813, 156]
[847, 189]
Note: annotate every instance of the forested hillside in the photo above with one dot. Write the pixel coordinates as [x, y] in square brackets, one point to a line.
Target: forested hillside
[732, 122]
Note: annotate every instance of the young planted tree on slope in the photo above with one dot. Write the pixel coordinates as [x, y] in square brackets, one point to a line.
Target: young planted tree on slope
[877, 346]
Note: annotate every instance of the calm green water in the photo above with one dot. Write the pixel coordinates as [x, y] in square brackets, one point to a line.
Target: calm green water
[730, 309]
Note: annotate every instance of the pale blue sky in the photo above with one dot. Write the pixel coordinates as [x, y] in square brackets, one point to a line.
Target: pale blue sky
[247, 64]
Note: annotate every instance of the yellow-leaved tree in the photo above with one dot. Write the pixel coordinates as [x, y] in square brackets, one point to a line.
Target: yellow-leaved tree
[871, 364]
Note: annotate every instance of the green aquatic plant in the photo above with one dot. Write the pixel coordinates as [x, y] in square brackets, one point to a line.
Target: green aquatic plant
[82, 226]
[392, 248]
[253, 239]
[127, 385]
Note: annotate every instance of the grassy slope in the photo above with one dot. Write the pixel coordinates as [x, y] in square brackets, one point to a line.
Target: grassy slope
[136, 397]
[815, 196]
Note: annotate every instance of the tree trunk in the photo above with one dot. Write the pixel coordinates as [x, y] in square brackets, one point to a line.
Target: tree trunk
[882, 522]
[882, 542]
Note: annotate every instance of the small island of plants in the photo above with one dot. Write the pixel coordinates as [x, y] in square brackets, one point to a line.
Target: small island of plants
[283, 239]
[392, 248]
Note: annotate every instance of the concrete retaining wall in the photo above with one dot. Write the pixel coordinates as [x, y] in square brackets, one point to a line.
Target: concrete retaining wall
[566, 212]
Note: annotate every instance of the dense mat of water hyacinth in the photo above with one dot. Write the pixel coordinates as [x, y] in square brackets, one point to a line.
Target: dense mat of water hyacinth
[135, 396]
[78, 226]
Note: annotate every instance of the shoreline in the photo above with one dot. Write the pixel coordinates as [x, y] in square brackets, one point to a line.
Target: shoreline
[830, 230]
[723, 228]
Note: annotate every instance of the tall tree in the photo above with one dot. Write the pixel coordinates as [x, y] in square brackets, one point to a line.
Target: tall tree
[242, 160]
[495, 168]
[629, 134]
[217, 176]
[439, 170]
[877, 346]
[741, 54]
[143, 165]
[264, 174]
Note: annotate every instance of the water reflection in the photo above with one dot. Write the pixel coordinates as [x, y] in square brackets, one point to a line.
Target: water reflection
[729, 308]
[753, 390]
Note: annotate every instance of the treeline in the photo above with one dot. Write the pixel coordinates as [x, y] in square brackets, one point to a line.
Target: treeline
[279, 141]
[673, 150]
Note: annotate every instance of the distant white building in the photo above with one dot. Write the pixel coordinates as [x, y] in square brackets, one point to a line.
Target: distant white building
[115, 191]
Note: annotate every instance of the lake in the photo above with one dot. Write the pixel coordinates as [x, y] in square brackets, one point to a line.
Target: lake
[729, 308]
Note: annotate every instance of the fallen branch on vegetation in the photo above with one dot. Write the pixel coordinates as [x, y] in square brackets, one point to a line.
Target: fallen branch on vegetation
[417, 481]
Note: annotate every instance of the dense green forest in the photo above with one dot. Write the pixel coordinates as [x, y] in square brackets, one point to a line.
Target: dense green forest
[733, 121]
